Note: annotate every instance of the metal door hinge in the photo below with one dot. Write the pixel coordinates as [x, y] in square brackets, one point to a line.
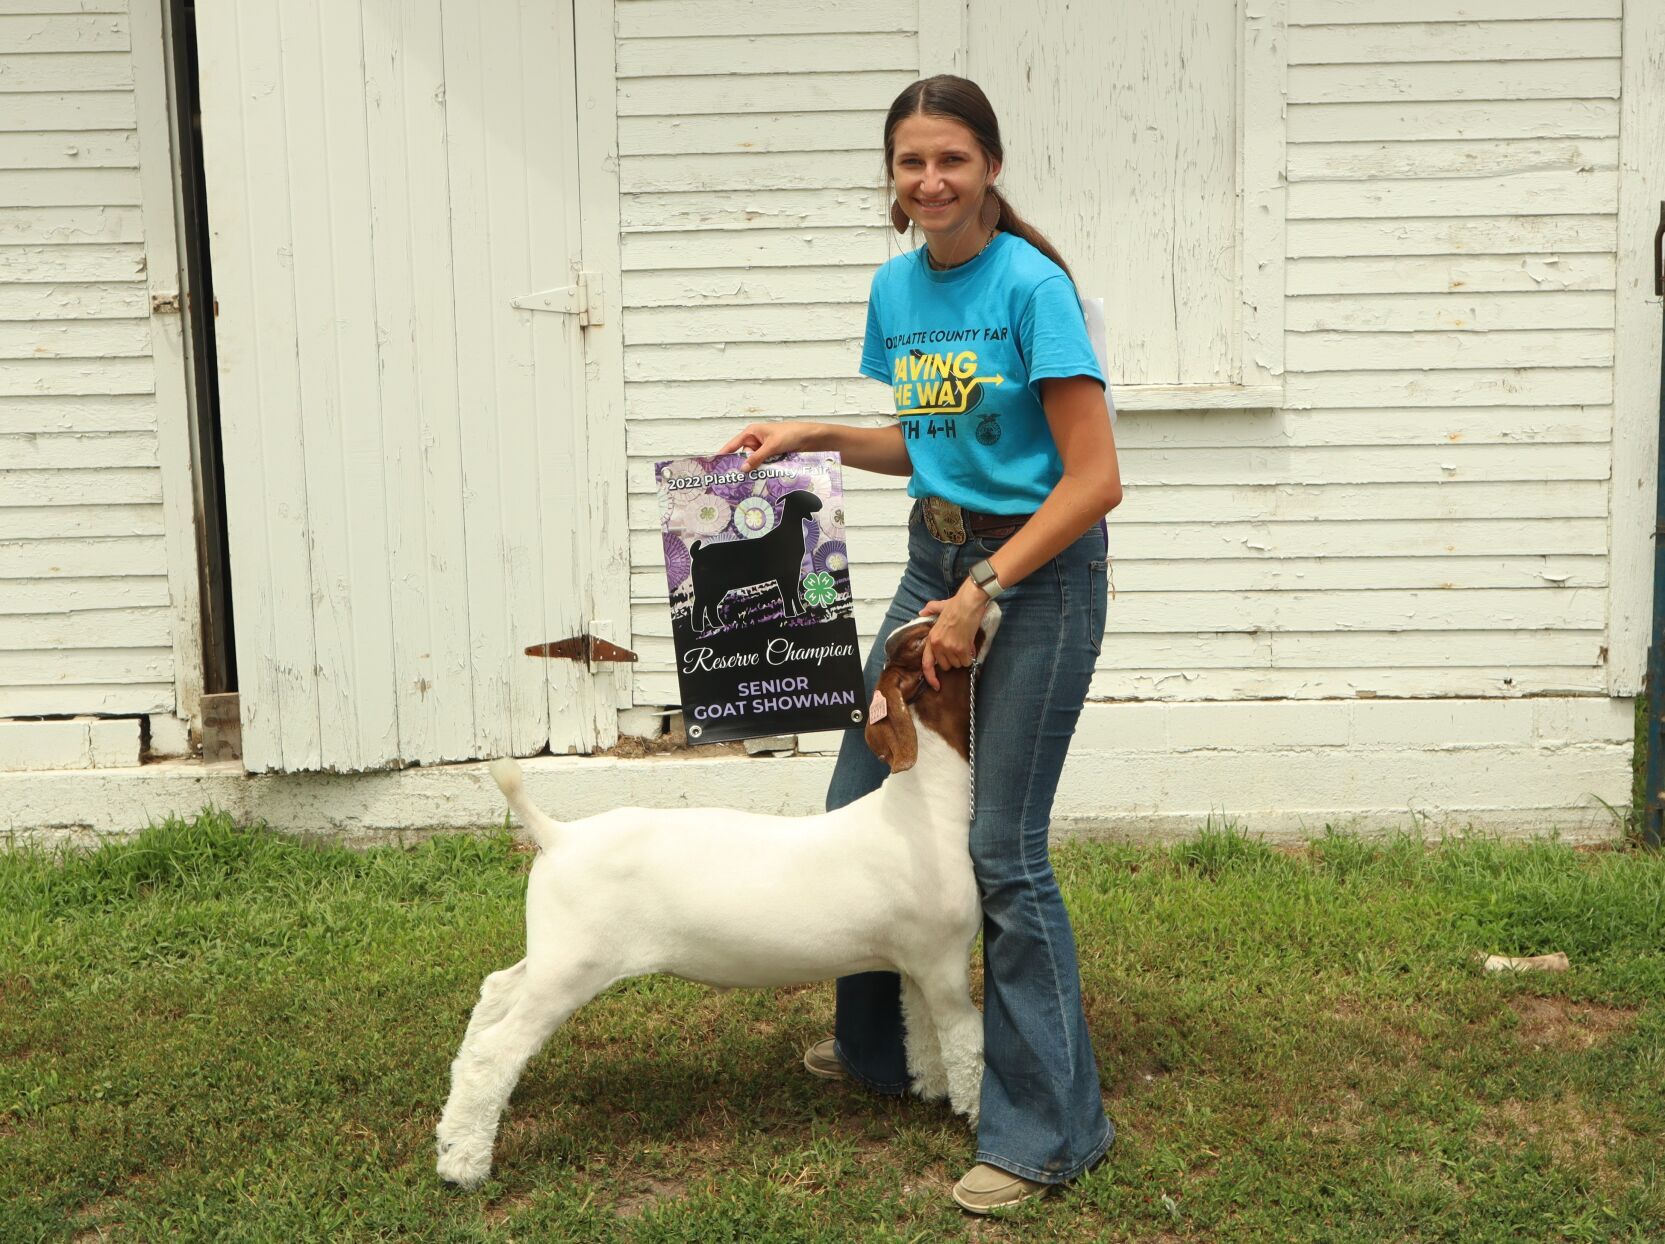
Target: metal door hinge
[585, 648]
[583, 300]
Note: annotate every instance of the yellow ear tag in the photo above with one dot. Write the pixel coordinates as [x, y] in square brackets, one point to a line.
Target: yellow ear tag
[879, 709]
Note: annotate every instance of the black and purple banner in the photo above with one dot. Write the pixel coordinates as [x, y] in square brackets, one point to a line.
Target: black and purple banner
[759, 580]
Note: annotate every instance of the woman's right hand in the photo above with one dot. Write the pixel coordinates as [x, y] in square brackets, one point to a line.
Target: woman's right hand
[762, 441]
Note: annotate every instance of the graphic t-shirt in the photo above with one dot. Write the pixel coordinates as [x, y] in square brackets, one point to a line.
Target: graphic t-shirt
[965, 352]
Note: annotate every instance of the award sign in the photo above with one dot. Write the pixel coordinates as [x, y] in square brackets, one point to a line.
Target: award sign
[759, 582]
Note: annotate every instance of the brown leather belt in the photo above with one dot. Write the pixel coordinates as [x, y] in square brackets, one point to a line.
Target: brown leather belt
[953, 524]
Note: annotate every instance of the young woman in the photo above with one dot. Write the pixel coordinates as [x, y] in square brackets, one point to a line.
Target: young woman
[1002, 425]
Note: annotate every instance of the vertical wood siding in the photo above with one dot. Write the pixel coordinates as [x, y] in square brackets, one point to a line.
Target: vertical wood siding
[1122, 149]
[85, 618]
[1428, 515]
[406, 449]
[1637, 348]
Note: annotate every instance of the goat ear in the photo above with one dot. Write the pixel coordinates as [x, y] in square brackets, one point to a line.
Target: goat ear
[892, 739]
[911, 655]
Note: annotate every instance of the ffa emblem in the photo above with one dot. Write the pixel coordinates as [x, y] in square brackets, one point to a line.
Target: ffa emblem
[988, 429]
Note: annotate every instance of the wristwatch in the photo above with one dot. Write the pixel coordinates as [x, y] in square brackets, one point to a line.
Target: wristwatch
[982, 574]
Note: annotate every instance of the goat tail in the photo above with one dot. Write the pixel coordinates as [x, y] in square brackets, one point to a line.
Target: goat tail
[545, 830]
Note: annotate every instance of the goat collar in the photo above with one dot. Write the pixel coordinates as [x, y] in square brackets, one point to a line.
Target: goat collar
[989, 625]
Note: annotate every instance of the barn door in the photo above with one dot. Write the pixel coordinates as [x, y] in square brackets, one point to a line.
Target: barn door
[393, 192]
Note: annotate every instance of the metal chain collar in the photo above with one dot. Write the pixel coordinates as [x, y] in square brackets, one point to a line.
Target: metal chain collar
[972, 713]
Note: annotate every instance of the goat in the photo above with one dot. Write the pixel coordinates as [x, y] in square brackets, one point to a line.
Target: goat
[739, 899]
[772, 559]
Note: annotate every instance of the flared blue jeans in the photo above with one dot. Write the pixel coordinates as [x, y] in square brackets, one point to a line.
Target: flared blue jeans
[1042, 1116]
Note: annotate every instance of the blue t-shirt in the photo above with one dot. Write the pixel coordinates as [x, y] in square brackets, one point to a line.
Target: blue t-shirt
[965, 352]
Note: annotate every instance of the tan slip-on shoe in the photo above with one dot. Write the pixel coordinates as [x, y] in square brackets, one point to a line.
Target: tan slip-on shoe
[984, 1189]
[821, 1059]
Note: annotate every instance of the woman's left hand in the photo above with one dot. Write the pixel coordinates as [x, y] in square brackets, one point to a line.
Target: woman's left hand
[952, 642]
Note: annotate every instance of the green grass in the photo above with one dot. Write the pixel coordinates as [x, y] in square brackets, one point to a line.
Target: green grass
[216, 1034]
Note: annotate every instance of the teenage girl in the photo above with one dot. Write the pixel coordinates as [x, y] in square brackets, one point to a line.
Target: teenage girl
[1003, 428]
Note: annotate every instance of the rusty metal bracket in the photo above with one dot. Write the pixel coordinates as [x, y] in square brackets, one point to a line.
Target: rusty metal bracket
[585, 648]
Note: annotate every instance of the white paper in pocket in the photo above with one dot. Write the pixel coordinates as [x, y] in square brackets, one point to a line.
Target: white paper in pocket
[1093, 310]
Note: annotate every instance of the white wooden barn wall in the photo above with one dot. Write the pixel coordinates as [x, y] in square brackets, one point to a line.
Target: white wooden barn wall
[1452, 190]
[94, 507]
[1427, 515]
[412, 499]
[1122, 143]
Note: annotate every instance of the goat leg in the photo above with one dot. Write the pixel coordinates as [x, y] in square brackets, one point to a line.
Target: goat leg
[489, 1064]
[946, 991]
[928, 1076]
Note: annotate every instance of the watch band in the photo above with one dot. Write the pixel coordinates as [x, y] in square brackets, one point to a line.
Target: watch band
[982, 574]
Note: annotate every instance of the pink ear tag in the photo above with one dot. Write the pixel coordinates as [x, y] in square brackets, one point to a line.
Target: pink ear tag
[879, 709]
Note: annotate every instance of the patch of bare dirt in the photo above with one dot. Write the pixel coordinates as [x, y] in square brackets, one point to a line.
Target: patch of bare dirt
[96, 1220]
[1575, 1136]
[1139, 1076]
[499, 1210]
[673, 742]
[646, 1195]
[99, 1219]
[1395, 1020]
[1559, 1023]
[1344, 1118]
[639, 747]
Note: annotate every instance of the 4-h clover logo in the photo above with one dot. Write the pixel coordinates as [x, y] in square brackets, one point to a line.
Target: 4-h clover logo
[818, 589]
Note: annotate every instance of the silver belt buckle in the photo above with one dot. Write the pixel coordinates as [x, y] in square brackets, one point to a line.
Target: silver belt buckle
[944, 520]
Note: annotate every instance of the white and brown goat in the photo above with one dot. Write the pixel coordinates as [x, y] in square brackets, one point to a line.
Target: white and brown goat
[734, 898]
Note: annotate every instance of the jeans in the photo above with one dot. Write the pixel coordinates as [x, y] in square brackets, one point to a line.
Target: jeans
[1042, 1115]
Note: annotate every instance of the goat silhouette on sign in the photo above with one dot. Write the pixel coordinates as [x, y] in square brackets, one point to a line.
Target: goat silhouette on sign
[771, 560]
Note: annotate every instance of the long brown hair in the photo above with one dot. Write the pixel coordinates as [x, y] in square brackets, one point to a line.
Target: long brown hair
[962, 100]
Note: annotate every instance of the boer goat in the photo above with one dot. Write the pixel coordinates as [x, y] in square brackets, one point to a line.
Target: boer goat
[735, 898]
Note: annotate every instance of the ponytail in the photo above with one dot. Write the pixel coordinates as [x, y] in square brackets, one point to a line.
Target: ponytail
[1011, 222]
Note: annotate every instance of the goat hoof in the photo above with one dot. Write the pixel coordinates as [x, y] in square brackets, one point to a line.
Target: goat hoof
[463, 1164]
[930, 1089]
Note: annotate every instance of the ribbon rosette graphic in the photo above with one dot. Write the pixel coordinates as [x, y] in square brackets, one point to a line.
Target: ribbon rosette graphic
[819, 589]
[754, 517]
